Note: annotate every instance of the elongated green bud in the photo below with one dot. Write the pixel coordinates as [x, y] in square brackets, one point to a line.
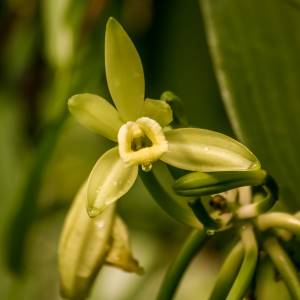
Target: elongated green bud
[83, 247]
[87, 243]
[201, 184]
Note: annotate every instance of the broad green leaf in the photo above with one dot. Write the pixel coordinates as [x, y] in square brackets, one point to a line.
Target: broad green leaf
[83, 246]
[158, 110]
[96, 114]
[203, 150]
[255, 47]
[183, 65]
[109, 180]
[124, 72]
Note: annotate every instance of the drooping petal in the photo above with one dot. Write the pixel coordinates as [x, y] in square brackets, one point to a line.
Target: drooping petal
[158, 110]
[109, 180]
[96, 114]
[124, 72]
[83, 246]
[120, 254]
[203, 150]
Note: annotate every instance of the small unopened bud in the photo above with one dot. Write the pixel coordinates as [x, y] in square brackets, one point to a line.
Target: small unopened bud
[201, 184]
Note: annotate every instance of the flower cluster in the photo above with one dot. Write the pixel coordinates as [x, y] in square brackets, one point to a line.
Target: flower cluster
[141, 128]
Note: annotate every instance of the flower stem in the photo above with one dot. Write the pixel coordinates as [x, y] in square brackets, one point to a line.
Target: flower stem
[228, 273]
[159, 183]
[278, 220]
[266, 284]
[193, 244]
[202, 215]
[284, 266]
[247, 269]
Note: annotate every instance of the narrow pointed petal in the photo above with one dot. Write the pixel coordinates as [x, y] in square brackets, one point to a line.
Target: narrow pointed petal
[120, 254]
[124, 72]
[83, 247]
[109, 180]
[158, 110]
[203, 150]
[96, 114]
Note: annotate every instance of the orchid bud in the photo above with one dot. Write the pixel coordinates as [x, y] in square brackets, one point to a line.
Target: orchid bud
[200, 184]
[87, 243]
[83, 247]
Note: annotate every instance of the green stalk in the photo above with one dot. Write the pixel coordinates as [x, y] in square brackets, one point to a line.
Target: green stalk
[267, 286]
[263, 200]
[159, 183]
[262, 204]
[228, 273]
[247, 269]
[278, 220]
[202, 215]
[284, 266]
[191, 247]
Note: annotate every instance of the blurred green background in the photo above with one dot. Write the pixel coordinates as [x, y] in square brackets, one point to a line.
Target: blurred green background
[236, 66]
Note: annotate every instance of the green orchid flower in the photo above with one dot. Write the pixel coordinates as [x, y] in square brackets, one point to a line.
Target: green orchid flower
[140, 127]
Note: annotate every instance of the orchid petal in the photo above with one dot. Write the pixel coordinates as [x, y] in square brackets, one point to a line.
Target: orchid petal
[83, 246]
[124, 72]
[109, 180]
[207, 151]
[158, 110]
[96, 114]
[120, 254]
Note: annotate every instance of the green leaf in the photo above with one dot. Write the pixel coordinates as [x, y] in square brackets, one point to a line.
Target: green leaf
[124, 72]
[203, 150]
[181, 63]
[96, 114]
[255, 49]
[109, 180]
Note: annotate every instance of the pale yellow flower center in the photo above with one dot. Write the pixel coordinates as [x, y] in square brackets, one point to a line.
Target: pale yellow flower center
[142, 142]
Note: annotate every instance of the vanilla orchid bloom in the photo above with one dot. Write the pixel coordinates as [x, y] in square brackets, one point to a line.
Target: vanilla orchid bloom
[137, 125]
